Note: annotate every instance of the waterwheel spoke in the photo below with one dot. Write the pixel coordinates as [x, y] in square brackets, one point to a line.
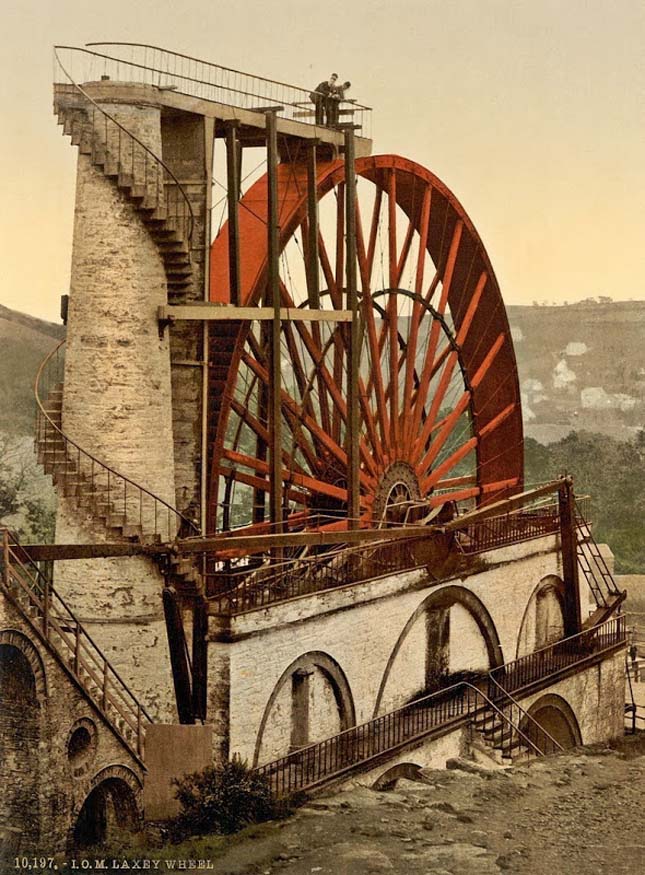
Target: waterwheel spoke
[374, 226]
[453, 459]
[391, 314]
[443, 433]
[330, 384]
[312, 484]
[291, 408]
[256, 426]
[431, 349]
[417, 311]
[405, 251]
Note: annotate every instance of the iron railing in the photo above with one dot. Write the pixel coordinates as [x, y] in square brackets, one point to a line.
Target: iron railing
[85, 479]
[558, 656]
[489, 705]
[52, 620]
[592, 563]
[97, 131]
[152, 65]
[434, 714]
[235, 590]
[511, 528]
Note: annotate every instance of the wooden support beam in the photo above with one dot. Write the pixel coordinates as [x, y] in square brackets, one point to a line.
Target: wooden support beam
[352, 448]
[233, 198]
[569, 544]
[313, 289]
[258, 543]
[273, 301]
[224, 312]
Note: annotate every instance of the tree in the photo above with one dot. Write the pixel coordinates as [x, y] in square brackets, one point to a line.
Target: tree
[613, 474]
[22, 509]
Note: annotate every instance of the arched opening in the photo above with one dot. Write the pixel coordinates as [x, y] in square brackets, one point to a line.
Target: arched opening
[543, 620]
[312, 700]
[557, 718]
[450, 637]
[388, 780]
[81, 746]
[110, 807]
[19, 744]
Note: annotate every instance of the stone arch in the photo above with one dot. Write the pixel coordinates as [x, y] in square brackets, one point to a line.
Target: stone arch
[556, 716]
[446, 597]
[331, 669]
[543, 618]
[20, 735]
[387, 781]
[16, 638]
[114, 800]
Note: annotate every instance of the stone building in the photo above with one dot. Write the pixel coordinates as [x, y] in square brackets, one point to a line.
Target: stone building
[291, 524]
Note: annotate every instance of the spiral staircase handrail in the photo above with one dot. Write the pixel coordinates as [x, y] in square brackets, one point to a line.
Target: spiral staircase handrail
[128, 133]
[101, 465]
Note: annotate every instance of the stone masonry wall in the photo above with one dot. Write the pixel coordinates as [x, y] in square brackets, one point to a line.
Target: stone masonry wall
[359, 627]
[62, 786]
[117, 406]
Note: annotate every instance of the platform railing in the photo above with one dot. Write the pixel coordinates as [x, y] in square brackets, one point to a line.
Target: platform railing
[159, 67]
[82, 476]
[511, 528]
[51, 618]
[237, 590]
[102, 133]
[558, 656]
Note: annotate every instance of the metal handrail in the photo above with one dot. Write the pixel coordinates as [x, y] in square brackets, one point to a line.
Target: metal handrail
[455, 703]
[453, 711]
[264, 95]
[520, 525]
[42, 413]
[513, 700]
[128, 133]
[596, 555]
[209, 64]
[249, 588]
[55, 616]
[614, 629]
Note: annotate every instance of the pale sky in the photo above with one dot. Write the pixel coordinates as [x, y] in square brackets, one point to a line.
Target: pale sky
[531, 111]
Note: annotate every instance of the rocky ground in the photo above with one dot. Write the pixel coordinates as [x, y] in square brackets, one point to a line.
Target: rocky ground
[582, 813]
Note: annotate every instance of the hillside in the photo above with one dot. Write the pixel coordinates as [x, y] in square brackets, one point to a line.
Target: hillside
[581, 367]
[24, 342]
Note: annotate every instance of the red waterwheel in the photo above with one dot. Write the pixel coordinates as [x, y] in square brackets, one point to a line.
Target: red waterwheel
[440, 416]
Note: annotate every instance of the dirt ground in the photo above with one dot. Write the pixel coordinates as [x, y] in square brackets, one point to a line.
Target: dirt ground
[581, 812]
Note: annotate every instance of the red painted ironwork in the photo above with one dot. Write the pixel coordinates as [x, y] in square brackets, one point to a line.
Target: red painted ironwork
[438, 389]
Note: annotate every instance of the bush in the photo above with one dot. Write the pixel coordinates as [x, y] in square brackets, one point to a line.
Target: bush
[222, 800]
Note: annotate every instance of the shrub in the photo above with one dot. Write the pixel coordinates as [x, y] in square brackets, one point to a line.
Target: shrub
[222, 800]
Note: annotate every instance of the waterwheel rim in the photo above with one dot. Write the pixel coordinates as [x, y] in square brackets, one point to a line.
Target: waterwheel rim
[439, 403]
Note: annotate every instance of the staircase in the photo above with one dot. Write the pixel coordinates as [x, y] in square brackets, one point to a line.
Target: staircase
[507, 731]
[141, 176]
[50, 619]
[126, 510]
[595, 571]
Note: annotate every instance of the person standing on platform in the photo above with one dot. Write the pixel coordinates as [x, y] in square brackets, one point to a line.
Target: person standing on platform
[320, 98]
[334, 101]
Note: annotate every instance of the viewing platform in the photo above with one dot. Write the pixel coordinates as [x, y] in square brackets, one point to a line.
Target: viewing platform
[179, 83]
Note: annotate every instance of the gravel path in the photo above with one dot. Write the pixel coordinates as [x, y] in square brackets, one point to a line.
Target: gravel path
[581, 813]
